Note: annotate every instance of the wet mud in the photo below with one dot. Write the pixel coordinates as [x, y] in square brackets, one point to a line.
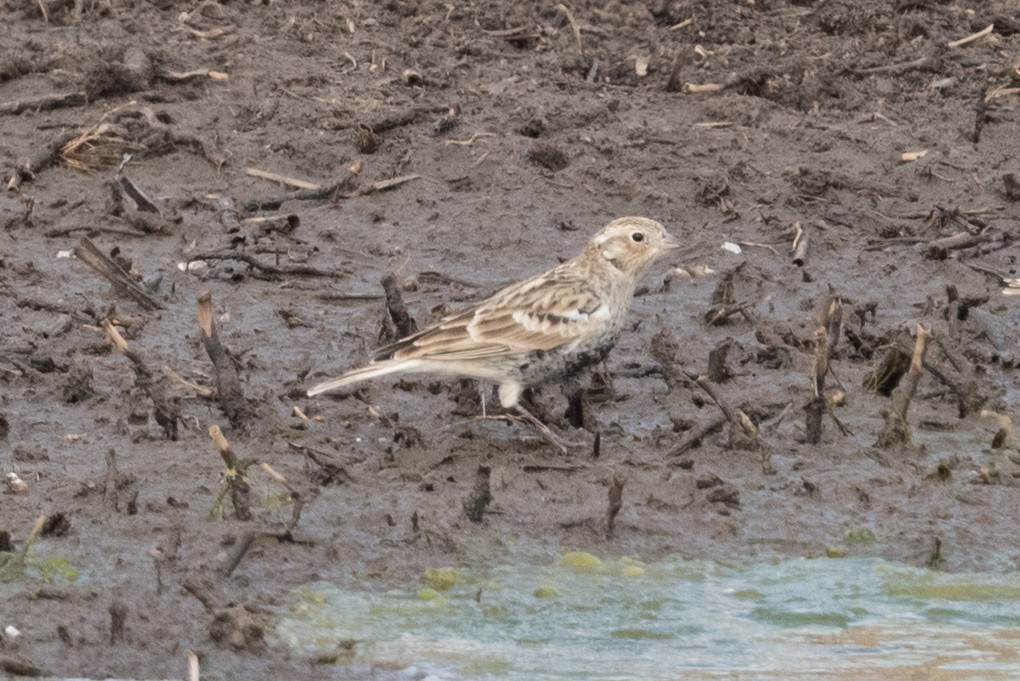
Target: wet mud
[202, 201]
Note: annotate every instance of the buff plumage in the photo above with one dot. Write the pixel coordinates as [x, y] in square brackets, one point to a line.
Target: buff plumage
[539, 329]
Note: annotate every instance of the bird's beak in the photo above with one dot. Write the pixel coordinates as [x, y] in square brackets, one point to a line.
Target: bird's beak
[669, 243]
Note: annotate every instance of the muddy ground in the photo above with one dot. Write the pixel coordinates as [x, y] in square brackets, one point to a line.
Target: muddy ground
[515, 131]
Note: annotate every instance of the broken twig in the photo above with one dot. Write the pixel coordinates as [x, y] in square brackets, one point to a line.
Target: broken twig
[264, 268]
[897, 430]
[474, 505]
[987, 30]
[236, 479]
[801, 239]
[166, 406]
[228, 386]
[573, 25]
[615, 504]
[88, 253]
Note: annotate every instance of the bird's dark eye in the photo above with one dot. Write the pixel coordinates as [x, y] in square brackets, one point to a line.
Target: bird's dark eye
[637, 237]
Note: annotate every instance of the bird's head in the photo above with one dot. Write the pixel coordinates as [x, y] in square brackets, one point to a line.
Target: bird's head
[631, 245]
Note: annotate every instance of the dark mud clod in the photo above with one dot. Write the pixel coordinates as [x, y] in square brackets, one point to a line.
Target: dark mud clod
[725, 494]
[664, 349]
[886, 376]
[78, 385]
[474, 505]
[403, 322]
[234, 626]
[548, 155]
[1011, 186]
[814, 413]
[56, 525]
[237, 628]
[366, 140]
[118, 618]
[133, 71]
[535, 126]
[718, 369]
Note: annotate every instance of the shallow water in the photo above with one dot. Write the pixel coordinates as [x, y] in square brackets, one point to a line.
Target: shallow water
[621, 619]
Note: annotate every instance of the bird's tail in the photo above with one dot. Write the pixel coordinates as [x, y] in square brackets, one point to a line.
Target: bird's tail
[371, 371]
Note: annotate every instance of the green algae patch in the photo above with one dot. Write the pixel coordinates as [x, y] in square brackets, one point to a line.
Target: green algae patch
[442, 579]
[580, 560]
[544, 592]
[54, 569]
[860, 536]
[791, 618]
[427, 594]
[748, 594]
[632, 571]
[633, 634]
[940, 587]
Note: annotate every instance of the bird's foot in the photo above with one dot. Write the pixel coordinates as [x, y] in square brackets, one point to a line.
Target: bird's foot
[526, 417]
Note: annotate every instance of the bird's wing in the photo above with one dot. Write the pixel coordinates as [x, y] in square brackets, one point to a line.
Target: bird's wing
[540, 313]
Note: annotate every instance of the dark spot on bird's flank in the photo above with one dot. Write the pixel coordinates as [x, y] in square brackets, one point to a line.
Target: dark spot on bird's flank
[545, 366]
[585, 359]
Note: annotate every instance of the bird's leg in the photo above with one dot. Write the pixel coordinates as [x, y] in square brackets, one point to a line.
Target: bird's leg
[508, 395]
[481, 393]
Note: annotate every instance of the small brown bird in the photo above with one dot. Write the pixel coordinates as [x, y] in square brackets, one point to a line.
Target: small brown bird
[538, 330]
